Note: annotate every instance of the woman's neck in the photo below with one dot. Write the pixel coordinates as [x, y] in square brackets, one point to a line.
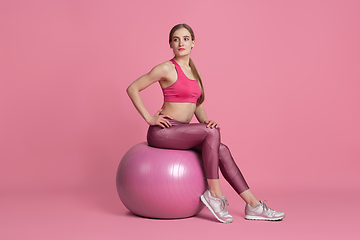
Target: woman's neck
[183, 61]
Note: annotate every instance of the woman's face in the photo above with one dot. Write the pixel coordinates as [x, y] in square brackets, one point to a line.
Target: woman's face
[181, 42]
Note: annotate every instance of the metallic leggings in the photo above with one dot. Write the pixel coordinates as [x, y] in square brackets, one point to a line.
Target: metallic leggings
[204, 140]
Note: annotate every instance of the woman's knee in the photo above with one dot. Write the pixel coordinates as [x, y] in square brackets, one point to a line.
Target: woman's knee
[213, 132]
[223, 151]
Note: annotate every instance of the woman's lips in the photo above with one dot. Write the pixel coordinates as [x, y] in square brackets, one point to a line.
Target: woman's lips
[181, 49]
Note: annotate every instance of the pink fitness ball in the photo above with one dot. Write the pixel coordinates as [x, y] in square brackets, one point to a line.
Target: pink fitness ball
[161, 183]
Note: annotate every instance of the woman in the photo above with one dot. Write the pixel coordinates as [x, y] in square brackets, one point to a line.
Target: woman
[170, 128]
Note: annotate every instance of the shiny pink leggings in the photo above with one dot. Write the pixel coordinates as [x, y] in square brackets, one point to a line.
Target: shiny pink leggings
[204, 140]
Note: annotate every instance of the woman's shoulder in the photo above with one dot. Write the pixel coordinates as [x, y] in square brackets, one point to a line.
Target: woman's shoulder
[164, 68]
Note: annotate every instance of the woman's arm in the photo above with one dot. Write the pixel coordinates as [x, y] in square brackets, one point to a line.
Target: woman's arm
[201, 114]
[202, 117]
[158, 73]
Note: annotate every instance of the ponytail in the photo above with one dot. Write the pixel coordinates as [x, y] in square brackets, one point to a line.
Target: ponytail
[198, 78]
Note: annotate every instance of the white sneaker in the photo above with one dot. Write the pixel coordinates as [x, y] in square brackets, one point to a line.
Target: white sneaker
[217, 206]
[262, 212]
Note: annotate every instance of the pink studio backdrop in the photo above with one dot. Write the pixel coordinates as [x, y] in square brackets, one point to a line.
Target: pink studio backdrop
[281, 78]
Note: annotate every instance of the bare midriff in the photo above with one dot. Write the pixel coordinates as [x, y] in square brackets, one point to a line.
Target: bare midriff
[182, 112]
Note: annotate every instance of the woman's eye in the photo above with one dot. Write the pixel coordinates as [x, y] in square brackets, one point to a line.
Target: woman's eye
[175, 40]
[186, 39]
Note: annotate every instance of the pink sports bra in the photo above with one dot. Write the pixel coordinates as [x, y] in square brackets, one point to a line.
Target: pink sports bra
[183, 90]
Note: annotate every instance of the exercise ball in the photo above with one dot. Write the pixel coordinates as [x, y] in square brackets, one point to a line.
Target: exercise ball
[161, 183]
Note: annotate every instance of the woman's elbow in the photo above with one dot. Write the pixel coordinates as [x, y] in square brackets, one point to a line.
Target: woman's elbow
[130, 89]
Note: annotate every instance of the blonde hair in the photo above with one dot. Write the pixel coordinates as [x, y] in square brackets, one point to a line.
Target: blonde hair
[191, 63]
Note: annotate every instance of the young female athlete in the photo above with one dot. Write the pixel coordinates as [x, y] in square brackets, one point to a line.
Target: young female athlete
[170, 128]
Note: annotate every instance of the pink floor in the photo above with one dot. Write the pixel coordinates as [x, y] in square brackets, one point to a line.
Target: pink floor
[311, 214]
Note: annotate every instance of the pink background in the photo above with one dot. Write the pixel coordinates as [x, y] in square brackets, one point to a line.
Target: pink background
[281, 78]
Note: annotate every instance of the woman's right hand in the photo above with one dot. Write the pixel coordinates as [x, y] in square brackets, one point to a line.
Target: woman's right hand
[160, 120]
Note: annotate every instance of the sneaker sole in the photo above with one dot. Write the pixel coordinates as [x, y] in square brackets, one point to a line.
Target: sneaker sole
[211, 210]
[249, 217]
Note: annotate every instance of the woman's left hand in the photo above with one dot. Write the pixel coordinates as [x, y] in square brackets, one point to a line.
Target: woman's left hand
[212, 124]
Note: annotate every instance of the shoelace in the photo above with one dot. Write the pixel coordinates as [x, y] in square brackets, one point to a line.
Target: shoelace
[267, 208]
[224, 202]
